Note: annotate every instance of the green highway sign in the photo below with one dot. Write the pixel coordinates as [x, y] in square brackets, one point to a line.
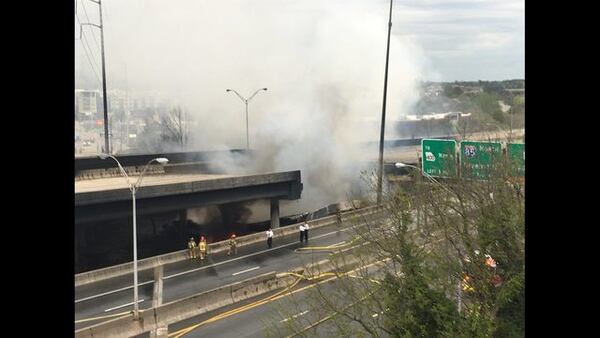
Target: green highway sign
[479, 159]
[439, 157]
[516, 159]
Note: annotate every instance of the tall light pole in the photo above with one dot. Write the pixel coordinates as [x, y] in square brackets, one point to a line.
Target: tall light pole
[104, 97]
[246, 102]
[381, 136]
[134, 188]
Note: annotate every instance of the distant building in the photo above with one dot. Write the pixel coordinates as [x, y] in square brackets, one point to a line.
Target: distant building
[119, 100]
[471, 89]
[516, 90]
[87, 102]
[436, 116]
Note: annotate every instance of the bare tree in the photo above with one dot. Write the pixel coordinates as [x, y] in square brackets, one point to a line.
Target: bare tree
[175, 127]
[422, 270]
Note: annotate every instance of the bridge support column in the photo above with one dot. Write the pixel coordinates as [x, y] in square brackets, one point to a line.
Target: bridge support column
[158, 286]
[162, 331]
[274, 213]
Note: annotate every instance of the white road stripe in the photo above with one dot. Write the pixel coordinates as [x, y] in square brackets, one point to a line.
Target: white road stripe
[208, 266]
[294, 316]
[239, 272]
[109, 292]
[120, 306]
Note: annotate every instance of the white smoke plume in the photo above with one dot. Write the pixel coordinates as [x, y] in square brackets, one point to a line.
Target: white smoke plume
[322, 61]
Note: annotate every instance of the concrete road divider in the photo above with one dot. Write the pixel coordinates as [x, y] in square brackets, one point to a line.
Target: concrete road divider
[172, 312]
[175, 311]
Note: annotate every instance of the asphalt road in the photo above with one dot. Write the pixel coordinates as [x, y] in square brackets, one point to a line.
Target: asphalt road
[257, 318]
[190, 277]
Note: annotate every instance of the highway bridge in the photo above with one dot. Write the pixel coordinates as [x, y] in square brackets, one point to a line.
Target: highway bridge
[201, 159]
[188, 181]
[110, 198]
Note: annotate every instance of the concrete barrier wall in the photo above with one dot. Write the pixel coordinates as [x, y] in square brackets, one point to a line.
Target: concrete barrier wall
[185, 308]
[178, 256]
[121, 327]
[178, 310]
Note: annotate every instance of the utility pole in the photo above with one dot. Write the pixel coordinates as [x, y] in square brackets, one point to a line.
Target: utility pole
[381, 137]
[104, 97]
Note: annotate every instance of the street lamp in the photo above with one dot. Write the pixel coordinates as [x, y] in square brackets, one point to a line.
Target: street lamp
[246, 102]
[134, 188]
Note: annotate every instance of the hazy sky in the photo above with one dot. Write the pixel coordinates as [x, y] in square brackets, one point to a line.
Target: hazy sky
[460, 39]
[322, 61]
[467, 39]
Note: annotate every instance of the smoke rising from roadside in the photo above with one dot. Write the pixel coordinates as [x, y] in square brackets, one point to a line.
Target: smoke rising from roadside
[322, 62]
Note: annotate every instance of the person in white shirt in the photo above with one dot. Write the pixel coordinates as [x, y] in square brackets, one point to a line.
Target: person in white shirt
[270, 237]
[306, 231]
[301, 232]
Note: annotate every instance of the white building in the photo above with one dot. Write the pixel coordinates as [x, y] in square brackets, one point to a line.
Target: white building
[87, 102]
[436, 116]
[120, 100]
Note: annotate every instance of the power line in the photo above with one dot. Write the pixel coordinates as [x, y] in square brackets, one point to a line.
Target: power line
[93, 70]
[83, 44]
[82, 33]
[88, 18]
[105, 13]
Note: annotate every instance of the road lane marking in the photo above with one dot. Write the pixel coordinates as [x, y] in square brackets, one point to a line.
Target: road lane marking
[120, 306]
[294, 316]
[109, 292]
[208, 266]
[239, 272]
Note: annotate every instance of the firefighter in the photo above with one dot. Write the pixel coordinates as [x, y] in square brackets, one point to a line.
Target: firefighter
[192, 248]
[202, 247]
[466, 285]
[489, 261]
[232, 245]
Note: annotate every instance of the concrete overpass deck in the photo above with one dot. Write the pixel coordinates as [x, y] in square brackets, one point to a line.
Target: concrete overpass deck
[106, 198]
[113, 183]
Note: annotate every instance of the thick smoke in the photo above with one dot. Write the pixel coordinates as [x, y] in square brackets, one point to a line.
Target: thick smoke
[322, 62]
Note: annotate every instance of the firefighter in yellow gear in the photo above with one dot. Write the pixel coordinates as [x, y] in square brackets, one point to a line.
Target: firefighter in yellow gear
[202, 248]
[466, 285]
[192, 248]
[232, 245]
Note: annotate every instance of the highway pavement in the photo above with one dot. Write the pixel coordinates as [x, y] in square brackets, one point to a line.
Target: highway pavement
[269, 315]
[109, 297]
